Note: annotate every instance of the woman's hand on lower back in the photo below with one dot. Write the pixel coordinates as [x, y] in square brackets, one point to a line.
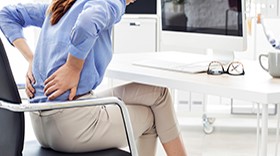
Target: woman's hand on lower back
[65, 78]
[30, 80]
[25, 50]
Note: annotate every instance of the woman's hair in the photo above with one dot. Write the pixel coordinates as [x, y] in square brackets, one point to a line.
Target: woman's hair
[58, 8]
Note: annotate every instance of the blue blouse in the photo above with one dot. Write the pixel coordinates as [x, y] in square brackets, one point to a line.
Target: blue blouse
[84, 32]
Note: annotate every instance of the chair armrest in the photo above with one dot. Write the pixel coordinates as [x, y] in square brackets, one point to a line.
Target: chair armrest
[79, 103]
[27, 107]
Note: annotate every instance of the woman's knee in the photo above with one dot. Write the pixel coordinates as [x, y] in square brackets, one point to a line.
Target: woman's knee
[142, 119]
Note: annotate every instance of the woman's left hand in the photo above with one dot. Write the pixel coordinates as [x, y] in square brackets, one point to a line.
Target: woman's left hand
[29, 81]
[65, 78]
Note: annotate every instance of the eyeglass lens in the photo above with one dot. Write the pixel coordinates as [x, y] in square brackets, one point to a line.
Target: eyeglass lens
[215, 68]
[235, 68]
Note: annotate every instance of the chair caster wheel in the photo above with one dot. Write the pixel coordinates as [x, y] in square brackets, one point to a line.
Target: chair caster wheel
[208, 122]
[208, 129]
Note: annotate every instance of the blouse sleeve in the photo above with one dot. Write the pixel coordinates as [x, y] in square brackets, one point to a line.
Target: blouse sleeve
[14, 18]
[97, 15]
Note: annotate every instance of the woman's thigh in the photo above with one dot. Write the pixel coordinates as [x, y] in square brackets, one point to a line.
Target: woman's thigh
[88, 128]
[134, 93]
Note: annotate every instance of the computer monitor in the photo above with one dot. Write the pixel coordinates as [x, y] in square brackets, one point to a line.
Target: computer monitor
[213, 25]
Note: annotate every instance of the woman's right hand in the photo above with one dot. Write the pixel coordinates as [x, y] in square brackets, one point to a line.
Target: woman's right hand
[29, 89]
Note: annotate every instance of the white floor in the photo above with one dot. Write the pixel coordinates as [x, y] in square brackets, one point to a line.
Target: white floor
[225, 140]
[221, 143]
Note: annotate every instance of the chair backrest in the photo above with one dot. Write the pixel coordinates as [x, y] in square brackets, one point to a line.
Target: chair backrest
[11, 123]
[8, 89]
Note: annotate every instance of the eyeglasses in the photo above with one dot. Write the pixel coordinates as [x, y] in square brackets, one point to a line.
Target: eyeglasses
[234, 68]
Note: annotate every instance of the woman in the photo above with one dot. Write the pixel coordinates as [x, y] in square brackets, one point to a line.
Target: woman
[73, 51]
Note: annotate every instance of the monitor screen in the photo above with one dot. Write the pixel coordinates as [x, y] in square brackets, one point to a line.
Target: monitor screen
[208, 24]
[142, 7]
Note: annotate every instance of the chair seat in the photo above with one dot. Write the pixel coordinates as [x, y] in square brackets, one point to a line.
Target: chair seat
[33, 148]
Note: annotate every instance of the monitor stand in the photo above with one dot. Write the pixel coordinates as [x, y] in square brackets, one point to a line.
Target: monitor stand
[223, 56]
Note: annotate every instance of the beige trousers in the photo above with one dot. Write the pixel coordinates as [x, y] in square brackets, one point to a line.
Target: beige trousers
[94, 128]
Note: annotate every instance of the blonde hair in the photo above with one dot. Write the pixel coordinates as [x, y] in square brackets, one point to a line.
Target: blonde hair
[58, 8]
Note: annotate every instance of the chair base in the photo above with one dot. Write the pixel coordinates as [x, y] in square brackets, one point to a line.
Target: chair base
[33, 148]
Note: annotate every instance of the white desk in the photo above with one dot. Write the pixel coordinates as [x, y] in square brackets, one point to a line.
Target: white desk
[256, 85]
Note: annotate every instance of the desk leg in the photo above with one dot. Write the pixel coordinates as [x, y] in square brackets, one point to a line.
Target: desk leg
[264, 133]
[258, 129]
[277, 130]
